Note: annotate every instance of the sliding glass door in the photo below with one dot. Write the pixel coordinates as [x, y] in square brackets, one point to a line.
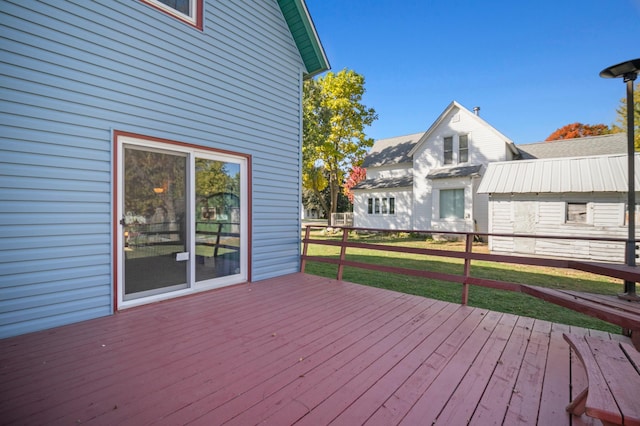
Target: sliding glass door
[183, 220]
[218, 216]
[154, 221]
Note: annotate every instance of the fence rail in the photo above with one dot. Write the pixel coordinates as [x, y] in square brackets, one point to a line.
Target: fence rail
[342, 219]
[607, 308]
[615, 270]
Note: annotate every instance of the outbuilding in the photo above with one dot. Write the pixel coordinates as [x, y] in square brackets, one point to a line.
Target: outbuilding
[564, 197]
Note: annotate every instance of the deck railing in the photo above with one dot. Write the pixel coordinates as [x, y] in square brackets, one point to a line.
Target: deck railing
[615, 270]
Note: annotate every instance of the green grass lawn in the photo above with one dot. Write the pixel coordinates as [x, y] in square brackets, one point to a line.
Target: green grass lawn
[496, 300]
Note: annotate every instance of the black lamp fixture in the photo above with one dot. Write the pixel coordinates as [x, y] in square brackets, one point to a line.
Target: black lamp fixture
[629, 72]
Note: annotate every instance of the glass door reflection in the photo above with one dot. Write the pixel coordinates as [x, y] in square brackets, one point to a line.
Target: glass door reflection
[217, 239]
[155, 222]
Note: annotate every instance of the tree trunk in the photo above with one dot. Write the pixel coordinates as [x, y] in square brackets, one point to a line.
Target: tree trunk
[323, 203]
[334, 187]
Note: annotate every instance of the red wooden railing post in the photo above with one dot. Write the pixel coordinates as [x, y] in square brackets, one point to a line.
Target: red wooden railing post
[343, 252]
[305, 245]
[467, 268]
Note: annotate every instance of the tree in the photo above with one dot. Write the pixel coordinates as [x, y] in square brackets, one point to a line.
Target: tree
[357, 174]
[622, 116]
[579, 130]
[334, 119]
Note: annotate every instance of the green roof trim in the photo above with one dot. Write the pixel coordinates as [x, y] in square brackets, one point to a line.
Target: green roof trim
[304, 34]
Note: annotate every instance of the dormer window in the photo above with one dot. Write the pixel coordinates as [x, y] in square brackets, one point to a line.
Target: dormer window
[448, 150]
[462, 155]
[463, 149]
[189, 11]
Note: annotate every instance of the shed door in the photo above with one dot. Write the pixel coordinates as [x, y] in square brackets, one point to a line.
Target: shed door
[524, 223]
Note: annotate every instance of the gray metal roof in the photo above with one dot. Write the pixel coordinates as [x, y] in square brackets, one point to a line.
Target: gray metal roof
[454, 172]
[593, 145]
[381, 183]
[606, 173]
[391, 151]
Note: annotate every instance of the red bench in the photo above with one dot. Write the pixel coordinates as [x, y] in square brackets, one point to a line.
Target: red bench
[613, 373]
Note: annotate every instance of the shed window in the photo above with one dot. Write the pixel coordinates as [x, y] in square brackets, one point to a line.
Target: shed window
[576, 213]
[189, 11]
[452, 203]
[448, 150]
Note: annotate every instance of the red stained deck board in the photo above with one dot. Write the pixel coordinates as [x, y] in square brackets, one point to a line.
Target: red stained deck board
[528, 387]
[365, 334]
[321, 382]
[413, 366]
[617, 370]
[239, 348]
[422, 343]
[579, 382]
[422, 396]
[133, 325]
[494, 402]
[178, 347]
[462, 403]
[555, 393]
[239, 354]
[127, 355]
[243, 392]
[607, 300]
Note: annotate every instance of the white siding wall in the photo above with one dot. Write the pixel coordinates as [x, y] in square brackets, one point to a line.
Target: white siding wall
[484, 147]
[457, 225]
[605, 217]
[389, 171]
[400, 220]
[74, 71]
[480, 208]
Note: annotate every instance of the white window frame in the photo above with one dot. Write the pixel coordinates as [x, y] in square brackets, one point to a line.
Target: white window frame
[445, 150]
[588, 217]
[192, 152]
[464, 204]
[381, 206]
[194, 6]
[460, 149]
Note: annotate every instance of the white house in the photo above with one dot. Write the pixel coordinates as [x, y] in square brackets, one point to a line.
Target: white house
[429, 180]
[556, 194]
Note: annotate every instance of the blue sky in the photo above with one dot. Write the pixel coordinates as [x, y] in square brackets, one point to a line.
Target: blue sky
[531, 66]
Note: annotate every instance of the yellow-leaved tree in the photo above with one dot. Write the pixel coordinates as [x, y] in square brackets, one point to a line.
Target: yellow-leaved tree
[334, 139]
[621, 119]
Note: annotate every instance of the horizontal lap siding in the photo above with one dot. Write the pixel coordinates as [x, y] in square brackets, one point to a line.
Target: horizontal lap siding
[608, 222]
[72, 72]
[400, 220]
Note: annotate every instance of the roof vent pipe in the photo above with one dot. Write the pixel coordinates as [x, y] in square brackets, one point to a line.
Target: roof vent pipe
[476, 110]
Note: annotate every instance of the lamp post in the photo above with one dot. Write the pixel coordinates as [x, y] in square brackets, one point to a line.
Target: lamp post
[629, 72]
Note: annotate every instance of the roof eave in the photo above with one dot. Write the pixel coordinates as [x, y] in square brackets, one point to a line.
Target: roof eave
[304, 34]
[447, 110]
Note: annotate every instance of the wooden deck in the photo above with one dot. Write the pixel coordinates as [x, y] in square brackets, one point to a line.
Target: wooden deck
[296, 349]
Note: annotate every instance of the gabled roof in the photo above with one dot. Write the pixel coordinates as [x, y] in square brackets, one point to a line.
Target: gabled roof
[391, 151]
[304, 34]
[577, 147]
[605, 173]
[455, 172]
[473, 116]
[380, 183]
